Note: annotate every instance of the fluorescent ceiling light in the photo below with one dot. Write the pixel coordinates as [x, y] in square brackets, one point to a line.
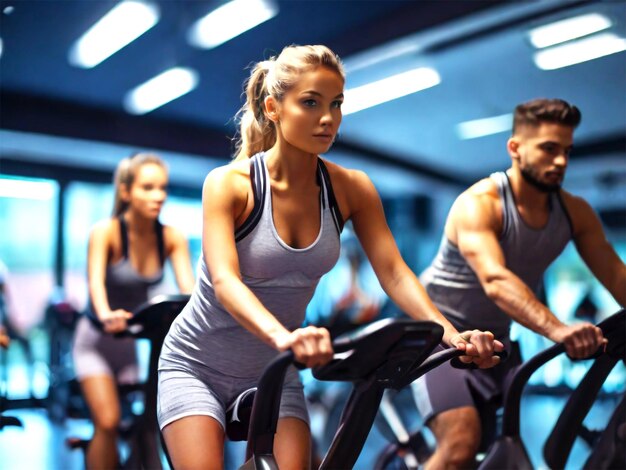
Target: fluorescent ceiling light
[230, 20]
[566, 30]
[163, 88]
[119, 27]
[390, 88]
[24, 189]
[486, 126]
[579, 51]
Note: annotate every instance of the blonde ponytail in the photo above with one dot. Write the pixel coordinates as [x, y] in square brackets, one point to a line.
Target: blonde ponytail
[257, 132]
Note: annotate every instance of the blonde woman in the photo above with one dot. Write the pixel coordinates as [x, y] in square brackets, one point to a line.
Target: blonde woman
[272, 220]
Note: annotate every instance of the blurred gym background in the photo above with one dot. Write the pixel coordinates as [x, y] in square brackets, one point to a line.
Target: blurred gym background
[451, 73]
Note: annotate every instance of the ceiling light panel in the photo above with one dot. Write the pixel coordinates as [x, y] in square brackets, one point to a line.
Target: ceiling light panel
[229, 21]
[566, 30]
[582, 50]
[119, 27]
[390, 88]
[486, 126]
[162, 89]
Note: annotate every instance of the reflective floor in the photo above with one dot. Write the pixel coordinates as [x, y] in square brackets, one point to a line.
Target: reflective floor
[40, 444]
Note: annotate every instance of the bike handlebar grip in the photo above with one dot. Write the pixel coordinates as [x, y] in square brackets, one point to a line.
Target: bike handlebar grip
[458, 364]
[338, 347]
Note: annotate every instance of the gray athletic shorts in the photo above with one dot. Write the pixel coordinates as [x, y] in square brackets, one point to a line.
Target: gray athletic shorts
[182, 394]
[445, 388]
[97, 353]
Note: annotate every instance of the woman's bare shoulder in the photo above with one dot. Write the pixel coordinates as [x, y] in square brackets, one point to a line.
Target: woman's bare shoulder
[106, 226]
[234, 176]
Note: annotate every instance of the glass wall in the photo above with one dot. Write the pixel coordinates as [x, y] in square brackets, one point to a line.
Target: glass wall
[28, 217]
[85, 204]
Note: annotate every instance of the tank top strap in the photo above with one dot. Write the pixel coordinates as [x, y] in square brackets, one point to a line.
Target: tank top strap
[158, 228]
[259, 185]
[506, 198]
[124, 236]
[559, 197]
[329, 195]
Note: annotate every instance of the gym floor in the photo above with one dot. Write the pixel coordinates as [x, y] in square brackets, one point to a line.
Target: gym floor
[40, 443]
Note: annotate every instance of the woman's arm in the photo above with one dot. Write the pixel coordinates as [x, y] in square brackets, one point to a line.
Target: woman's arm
[594, 248]
[97, 259]
[399, 282]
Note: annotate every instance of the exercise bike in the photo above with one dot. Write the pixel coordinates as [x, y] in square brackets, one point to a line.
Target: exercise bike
[608, 447]
[409, 449]
[508, 450]
[150, 321]
[389, 353]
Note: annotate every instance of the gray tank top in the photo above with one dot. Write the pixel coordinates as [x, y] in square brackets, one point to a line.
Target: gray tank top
[125, 287]
[455, 288]
[283, 278]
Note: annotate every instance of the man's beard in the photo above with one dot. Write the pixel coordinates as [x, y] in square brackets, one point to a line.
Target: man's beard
[530, 176]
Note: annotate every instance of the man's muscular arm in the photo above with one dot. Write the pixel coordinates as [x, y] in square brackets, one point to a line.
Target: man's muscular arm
[474, 224]
[594, 248]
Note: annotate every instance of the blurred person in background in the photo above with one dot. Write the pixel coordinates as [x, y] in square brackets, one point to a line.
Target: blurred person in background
[4, 336]
[126, 258]
[9, 333]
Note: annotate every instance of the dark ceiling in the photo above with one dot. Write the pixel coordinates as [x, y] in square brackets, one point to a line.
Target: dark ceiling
[409, 145]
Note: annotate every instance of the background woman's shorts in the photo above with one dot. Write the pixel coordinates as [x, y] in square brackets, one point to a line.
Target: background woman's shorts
[97, 353]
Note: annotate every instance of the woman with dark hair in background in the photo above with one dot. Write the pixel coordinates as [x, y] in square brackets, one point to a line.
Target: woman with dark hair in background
[272, 220]
[125, 263]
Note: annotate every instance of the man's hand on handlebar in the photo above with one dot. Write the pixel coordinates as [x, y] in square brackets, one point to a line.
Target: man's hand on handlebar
[115, 320]
[479, 346]
[311, 346]
[581, 339]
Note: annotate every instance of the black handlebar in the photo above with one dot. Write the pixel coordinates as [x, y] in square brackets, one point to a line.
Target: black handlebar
[388, 353]
[612, 328]
[154, 314]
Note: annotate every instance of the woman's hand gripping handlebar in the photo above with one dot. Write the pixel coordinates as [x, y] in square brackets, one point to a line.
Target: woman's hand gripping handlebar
[311, 346]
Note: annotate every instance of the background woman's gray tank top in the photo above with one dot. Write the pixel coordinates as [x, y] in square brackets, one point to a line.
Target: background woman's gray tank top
[283, 278]
[455, 288]
[125, 287]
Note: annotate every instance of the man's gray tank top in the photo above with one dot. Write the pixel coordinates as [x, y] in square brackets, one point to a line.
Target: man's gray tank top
[454, 287]
[206, 336]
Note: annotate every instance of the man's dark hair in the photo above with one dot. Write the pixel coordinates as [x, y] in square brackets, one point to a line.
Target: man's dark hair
[537, 111]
